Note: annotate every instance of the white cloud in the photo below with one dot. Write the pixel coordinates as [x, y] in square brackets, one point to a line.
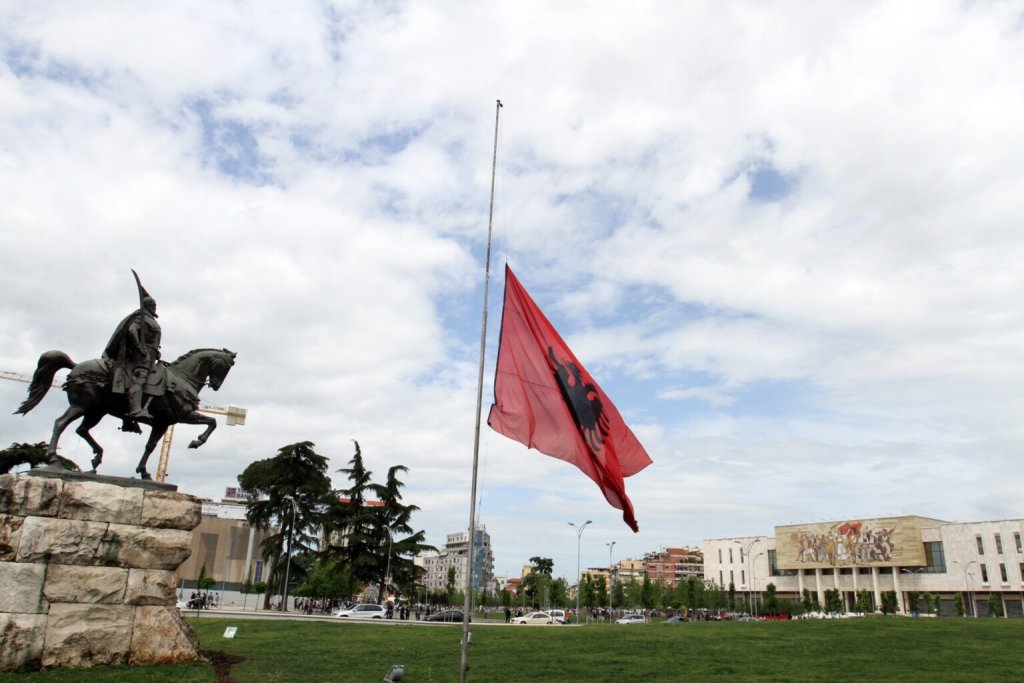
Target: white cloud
[848, 347]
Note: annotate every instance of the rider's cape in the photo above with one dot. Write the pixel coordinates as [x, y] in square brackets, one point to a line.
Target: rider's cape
[116, 354]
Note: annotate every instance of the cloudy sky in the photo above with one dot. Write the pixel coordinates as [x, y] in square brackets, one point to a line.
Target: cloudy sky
[785, 238]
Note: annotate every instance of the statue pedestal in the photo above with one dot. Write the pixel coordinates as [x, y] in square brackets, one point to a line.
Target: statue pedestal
[87, 572]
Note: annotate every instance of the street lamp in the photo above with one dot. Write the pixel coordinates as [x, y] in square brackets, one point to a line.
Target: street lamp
[753, 563]
[611, 546]
[746, 554]
[288, 562]
[970, 586]
[579, 578]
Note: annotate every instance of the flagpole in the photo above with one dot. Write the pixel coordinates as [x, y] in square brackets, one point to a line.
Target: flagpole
[467, 604]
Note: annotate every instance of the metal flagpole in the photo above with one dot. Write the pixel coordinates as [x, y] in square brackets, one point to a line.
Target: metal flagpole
[468, 601]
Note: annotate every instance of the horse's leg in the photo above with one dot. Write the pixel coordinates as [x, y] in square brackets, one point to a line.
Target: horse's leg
[197, 418]
[59, 425]
[88, 422]
[155, 434]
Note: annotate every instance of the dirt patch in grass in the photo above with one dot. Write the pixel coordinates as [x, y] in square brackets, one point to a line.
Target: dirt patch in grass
[222, 663]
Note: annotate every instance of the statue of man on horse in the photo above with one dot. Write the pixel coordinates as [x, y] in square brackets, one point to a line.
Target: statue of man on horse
[131, 382]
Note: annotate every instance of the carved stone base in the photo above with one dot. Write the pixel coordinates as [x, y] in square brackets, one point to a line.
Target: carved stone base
[87, 572]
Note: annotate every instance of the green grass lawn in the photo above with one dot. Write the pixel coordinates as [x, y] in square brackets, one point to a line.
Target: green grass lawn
[875, 649]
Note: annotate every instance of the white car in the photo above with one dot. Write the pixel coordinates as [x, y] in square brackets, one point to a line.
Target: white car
[631, 619]
[559, 616]
[535, 618]
[362, 611]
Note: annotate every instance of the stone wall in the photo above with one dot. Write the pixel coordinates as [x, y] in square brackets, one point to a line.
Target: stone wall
[87, 573]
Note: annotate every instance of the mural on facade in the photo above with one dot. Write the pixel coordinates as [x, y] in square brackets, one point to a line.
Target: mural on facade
[872, 542]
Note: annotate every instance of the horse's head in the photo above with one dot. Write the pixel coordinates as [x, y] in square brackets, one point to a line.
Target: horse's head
[201, 367]
[220, 363]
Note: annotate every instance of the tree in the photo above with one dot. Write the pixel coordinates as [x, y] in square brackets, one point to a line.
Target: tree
[890, 604]
[33, 454]
[374, 541]
[958, 604]
[294, 483]
[535, 583]
[558, 595]
[865, 602]
[601, 593]
[648, 593]
[732, 597]
[205, 582]
[588, 593]
[771, 600]
[450, 585]
[618, 595]
[833, 601]
[392, 520]
[995, 605]
[633, 593]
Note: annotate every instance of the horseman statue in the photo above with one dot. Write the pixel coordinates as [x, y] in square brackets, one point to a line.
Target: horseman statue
[133, 349]
[132, 383]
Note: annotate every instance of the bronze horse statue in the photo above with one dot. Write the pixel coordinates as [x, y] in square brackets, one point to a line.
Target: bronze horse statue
[173, 397]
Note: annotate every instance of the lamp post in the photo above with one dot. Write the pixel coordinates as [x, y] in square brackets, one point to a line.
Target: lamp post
[611, 546]
[746, 555]
[579, 536]
[970, 585]
[753, 583]
[288, 561]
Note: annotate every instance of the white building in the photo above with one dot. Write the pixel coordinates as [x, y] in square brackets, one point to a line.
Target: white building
[454, 555]
[902, 554]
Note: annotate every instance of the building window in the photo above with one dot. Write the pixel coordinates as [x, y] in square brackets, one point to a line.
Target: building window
[999, 545]
[743, 577]
[1016, 541]
[984, 573]
[719, 556]
[257, 574]
[773, 563]
[935, 558]
[1002, 573]
[721, 579]
[730, 555]
[732, 579]
[741, 555]
[981, 546]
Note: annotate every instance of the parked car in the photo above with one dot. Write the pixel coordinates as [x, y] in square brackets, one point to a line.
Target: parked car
[676, 620]
[362, 611]
[535, 618]
[558, 615]
[447, 615]
[631, 619]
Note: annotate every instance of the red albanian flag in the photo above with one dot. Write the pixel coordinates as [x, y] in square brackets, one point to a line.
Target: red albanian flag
[545, 399]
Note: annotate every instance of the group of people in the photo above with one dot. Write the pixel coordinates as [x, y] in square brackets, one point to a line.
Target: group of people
[202, 600]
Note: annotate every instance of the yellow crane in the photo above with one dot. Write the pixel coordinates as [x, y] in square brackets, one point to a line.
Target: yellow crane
[234, 414]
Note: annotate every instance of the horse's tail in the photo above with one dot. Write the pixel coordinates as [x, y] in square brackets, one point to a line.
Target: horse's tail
[49, 363]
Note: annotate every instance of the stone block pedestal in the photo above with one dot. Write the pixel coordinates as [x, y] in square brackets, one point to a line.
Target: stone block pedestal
[87, 572]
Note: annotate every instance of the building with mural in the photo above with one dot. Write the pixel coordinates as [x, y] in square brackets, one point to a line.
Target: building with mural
[982, 562]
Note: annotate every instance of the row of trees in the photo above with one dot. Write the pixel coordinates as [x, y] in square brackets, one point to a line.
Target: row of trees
[341, 540]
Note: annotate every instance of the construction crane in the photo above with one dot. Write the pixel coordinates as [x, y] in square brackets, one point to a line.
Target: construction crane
[235, 416]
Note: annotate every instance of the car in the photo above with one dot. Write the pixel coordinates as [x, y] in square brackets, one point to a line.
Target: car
[558, 615]
[631, 619]
[447, 615]
[676, 620]
[535, 618]
[363, 610]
